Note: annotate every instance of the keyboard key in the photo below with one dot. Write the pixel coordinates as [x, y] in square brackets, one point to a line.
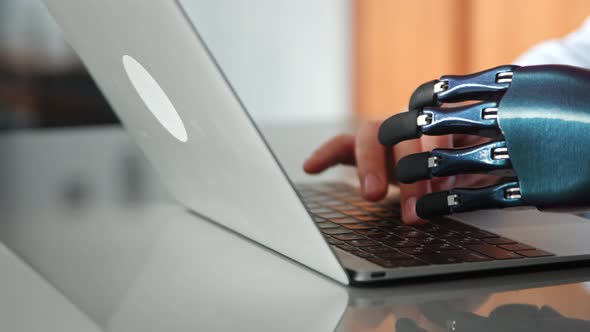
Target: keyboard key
[320, 210]
[382, 223]
[344, 208]
[410, 234]
[367, 218]
[344, 220]
[361, 254]
[331, 215]
[465, 241]
[385, 237]
[363, 204]
[346, 247]
[370, 231]
[389, 229]
[333, 231]
[416, 250]
[499, 240]
[332, 203]
[357, 226]
[454, 225]
[374, 209]
[442, 247]
[394, 255]
[378, 249]
[428, 228]
[535, 253]
[362, 243]
[388, 214]
[493, 251]
[335, 187]
[354, 200]
[516, 247]
[348, 237]
[356, 212]
[333, 241]
[320, 198]
[401, 228]
[326, 224]
[446, 234]
[344, 194]
[427, 240]
[364, 225]
[391, 222]
[479, 234]
[400, 243]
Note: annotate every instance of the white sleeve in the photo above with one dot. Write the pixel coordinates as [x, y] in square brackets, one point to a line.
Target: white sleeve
[573, 49]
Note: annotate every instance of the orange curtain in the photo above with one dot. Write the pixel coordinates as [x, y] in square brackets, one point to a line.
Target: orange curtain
[400, 44]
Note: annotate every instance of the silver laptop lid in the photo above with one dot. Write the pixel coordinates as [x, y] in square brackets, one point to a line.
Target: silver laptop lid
[150, 63]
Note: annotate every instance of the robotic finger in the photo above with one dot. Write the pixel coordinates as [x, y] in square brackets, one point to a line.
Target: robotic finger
[488, 158]
[479, 119]
[425, 117]
[538, 118]
[464, 200]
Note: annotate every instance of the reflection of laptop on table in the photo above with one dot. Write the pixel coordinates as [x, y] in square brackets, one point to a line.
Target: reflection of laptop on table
[156, 70]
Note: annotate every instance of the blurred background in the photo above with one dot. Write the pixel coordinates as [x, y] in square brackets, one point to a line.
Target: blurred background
[304, 62]
[314, 60]
[401, 44]
[305, 69]
[306, 66]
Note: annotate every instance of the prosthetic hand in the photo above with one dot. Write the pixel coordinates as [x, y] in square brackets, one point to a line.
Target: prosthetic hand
[506, 318]
[538, 120]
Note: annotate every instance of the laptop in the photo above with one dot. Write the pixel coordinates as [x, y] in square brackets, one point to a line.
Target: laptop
[173, 97]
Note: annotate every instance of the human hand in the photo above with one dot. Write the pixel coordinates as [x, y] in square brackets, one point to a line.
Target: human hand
[375, 164]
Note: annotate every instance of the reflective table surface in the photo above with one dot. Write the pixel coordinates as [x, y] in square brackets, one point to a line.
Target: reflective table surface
[150, 265]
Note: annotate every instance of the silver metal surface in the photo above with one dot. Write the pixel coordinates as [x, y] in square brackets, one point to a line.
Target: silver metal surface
[504, 77]
[440, 86]
[513, 193]
[140, 269]
[423, 120]
[433, 162]
[149, 268]
[206, 174]
[490, 113]
[453, 200]
[207, 171]
[500, 153]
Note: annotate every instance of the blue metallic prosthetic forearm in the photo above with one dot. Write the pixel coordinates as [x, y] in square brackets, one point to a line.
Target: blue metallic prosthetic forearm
[538, 119]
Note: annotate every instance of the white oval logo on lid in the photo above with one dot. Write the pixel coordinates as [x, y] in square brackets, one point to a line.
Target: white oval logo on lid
[155, 98]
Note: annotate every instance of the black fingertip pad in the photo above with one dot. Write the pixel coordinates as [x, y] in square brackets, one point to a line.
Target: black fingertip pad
[413, 167]
[400, 127]
[433, 205]
[424, 96]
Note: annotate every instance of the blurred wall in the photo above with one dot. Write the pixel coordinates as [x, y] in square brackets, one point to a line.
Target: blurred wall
[42, 82]
[401, 44]
[302, 61]
[289, 61]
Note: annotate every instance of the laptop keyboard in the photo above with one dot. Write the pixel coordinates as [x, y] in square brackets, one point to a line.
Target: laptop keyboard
[374, 231]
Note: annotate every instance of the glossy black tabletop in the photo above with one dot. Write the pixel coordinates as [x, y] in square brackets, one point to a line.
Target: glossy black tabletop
[144, 263]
